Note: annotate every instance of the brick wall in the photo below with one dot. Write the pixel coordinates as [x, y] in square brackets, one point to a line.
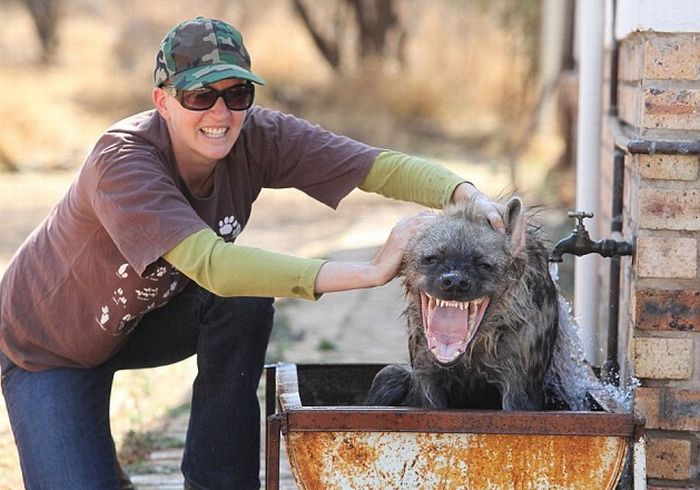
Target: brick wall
[659, 98]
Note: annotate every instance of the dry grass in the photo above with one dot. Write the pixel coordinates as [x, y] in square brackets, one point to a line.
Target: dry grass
[462, 94]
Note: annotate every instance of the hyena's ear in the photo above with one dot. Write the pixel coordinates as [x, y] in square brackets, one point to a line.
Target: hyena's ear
[516, 224]
[512, 213]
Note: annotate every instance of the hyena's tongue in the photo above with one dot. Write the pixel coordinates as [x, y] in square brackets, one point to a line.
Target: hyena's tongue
[450, 325]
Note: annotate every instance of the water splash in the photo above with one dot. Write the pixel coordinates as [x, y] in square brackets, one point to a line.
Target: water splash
[570, 378]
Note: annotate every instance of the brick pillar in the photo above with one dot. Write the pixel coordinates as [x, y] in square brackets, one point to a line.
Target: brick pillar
[659, 97]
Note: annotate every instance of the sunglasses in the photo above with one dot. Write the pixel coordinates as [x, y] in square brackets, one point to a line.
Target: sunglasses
[237, 98]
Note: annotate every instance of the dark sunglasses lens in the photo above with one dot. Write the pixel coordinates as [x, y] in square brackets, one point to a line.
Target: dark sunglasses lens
[199, 100]
[240, 97]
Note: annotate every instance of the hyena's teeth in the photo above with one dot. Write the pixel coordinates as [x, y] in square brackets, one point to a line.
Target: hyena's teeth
[449, 304]
[461, 305]
[472, 315]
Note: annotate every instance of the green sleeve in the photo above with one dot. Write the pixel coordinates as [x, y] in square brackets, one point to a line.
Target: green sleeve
[226, 269]
[413, 179]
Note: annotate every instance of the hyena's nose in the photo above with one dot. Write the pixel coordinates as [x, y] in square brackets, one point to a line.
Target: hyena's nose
[452, 282]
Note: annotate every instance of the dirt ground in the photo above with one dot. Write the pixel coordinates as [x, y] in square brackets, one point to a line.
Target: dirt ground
[358, 326]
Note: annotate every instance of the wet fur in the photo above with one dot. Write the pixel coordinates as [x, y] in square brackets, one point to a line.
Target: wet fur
[504, 365]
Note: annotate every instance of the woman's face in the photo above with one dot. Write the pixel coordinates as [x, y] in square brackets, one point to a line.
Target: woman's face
[200, 137]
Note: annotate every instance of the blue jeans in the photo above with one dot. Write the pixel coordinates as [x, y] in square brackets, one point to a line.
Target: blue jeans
[60, 416]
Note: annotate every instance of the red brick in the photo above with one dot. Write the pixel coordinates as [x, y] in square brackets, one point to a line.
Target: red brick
[669, 167]
[671, 209]
[668, 257]
[663, 358]
[630, 58]
[681, 410]
[664, 487]
[671, 310]
[673, 57]
[668, 459]
[671, 108]
[647, 404]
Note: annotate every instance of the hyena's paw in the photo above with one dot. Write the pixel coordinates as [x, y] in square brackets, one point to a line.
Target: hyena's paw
[390, 386]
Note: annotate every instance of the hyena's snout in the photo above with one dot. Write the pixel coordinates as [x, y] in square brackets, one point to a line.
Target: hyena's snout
[453, 283]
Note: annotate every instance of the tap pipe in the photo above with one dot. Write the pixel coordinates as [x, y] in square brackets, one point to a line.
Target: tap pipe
[640, 146]
[610, 370]
[590, 42]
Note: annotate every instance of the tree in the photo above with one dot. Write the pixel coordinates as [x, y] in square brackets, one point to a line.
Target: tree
[372, 29]
[7, 162]
[46, 15]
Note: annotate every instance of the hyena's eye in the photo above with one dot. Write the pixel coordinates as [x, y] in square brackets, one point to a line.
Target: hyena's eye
[429, 260]
[484, 266]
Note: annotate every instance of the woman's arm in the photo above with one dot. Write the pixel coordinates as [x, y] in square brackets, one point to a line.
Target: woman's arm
[227, 269]
[343, 276]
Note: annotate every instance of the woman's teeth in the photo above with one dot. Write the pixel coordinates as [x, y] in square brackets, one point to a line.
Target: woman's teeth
[215, 132]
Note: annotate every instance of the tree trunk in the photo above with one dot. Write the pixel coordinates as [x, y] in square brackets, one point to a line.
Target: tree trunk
[7, 163]
[46, 15]
[376, 26]
[328, 47]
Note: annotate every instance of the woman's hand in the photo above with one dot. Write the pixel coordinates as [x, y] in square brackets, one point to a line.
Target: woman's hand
[468, 192]
[344, 276]
[387, 262]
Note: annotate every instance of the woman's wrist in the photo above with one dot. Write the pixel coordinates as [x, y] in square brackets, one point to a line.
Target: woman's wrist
[344, 276]
[465, 191]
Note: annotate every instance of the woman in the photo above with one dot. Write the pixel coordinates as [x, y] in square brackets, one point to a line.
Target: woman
[136, 266]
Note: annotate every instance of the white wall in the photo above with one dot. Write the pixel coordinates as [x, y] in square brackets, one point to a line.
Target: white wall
[657, 15]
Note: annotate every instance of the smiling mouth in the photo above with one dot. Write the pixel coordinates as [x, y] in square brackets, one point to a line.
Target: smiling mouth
[214, 133]
[451, 325]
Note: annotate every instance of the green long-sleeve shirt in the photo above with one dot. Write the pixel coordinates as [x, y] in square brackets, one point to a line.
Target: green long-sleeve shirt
[227, 269]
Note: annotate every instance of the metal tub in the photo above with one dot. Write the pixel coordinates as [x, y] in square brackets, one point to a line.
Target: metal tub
[333, 442]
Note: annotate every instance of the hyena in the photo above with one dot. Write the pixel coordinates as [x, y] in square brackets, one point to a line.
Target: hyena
[482, 315]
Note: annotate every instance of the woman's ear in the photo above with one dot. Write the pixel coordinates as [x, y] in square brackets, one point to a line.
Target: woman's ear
[160, 102]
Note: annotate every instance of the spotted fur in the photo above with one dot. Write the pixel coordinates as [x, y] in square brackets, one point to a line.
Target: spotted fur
[504, 364]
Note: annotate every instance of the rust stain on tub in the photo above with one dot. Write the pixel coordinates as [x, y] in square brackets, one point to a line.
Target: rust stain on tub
[536, 461]
[393, 460]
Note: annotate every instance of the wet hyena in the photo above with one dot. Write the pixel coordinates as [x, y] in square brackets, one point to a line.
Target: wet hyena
[482, 321]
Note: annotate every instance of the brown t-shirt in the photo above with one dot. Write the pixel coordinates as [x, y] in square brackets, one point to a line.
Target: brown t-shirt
[83, 279]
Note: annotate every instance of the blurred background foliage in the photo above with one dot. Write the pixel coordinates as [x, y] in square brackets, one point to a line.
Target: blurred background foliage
[440, 78]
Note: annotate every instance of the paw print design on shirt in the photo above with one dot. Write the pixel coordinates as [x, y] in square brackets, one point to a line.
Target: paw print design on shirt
[119, 298]
[121, 271]
[158, 273]
[229, 227]
[127, 324]
[104, 317]
[171, 289]
[146, 294]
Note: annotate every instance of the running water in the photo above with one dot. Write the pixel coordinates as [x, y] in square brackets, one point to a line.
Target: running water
[570, 377]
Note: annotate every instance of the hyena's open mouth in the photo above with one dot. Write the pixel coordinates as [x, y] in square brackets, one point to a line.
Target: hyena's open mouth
[450, 325]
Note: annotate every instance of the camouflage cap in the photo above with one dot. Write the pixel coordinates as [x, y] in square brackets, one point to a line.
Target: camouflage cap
[202, 51]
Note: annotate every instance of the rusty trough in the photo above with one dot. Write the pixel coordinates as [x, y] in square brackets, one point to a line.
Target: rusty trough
[333, 442]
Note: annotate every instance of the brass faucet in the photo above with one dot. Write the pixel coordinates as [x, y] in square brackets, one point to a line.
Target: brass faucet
[579, 242]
